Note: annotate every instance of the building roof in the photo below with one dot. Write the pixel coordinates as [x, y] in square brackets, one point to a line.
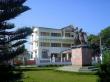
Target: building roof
[69, 27]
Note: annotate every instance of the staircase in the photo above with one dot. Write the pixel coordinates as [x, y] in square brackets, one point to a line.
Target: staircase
[88, 69]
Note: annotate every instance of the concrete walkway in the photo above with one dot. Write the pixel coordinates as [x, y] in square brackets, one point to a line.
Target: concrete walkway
[78, 68]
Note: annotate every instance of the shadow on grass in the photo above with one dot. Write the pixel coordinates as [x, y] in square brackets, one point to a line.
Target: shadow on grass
[8, 73]
[35, 69]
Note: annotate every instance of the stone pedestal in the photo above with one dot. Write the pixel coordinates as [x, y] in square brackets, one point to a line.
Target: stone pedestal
[81, 55]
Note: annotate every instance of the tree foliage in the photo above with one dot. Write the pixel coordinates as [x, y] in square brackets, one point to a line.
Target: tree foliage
[105, 36]
[94, 40]
[104, 72]
[94, 44]
[106, 56]
[104, 69]
[11, 41]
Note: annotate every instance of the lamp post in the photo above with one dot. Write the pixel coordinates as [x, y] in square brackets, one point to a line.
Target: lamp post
[100, 49]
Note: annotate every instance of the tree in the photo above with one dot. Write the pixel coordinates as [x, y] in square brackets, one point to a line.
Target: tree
[11, 41]
[105, 36]
[104, 69]
[22, 59]
[93, 41]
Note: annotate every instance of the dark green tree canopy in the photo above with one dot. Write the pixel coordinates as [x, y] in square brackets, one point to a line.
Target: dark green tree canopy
[9, 9]
[93, 39]
[11, 41]
[105, 36]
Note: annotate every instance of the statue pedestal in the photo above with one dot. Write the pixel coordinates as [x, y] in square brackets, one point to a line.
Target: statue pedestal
[81, 55]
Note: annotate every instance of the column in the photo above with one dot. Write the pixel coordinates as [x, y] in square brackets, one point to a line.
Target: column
[67, 56]
[61, 57]
[63, 33]
[50, 59]
[53, 59]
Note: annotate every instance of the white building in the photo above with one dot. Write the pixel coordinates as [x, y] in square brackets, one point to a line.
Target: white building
[48, 45]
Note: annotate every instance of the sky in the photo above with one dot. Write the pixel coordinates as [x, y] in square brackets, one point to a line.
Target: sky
[91, 15]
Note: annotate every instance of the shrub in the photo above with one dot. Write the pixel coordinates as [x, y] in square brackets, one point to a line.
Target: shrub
[104, 68]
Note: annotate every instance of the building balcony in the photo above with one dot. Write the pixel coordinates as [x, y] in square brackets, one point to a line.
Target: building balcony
[50, 37]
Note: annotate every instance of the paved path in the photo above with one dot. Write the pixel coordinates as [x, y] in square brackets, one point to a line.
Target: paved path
[78, 68]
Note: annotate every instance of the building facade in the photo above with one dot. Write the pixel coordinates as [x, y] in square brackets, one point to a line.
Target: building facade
[48, 44]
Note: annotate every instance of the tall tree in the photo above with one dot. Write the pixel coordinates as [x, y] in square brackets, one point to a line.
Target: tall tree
[104, 70]
[105, 36]
[93, 41]
[11, 41]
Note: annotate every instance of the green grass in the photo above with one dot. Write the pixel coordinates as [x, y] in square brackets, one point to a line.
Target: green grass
[48, 75]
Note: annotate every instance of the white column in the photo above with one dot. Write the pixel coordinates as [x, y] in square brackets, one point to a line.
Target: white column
[50, 59]
[53, 59]
[61, 57]
[31, 43]
[63, 33]
[67, 56]
[33, 55]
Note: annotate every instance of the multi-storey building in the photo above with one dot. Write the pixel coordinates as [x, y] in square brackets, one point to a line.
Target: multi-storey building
[49, 43]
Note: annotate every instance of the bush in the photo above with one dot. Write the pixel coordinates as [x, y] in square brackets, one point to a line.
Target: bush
[106, 56]
[104, 68]
[104, 73]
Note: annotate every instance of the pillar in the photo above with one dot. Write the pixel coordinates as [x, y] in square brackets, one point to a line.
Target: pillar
[67, 56]
[53, 59]
[61, 57]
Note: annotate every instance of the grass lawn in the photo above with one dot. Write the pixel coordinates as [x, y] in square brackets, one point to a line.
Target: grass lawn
[56, 76]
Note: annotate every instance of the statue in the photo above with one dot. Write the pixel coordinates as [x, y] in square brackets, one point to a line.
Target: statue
[80, 37]
[76, 36]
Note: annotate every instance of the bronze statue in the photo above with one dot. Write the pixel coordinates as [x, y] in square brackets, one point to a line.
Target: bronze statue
[80, 37]
[76, 37]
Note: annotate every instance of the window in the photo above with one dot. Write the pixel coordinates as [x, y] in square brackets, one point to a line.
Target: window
[55, 44]
[44, 33]
[56, 34]
[66, 45]
[44, 53]
[44, 44]
[67, 35]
